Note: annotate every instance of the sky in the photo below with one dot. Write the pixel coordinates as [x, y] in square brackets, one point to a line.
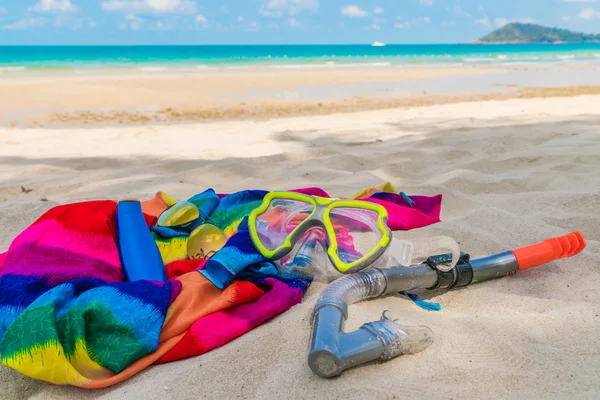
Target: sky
[95, 22]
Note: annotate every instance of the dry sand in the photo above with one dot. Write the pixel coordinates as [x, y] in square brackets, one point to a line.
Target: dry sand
[512, 173]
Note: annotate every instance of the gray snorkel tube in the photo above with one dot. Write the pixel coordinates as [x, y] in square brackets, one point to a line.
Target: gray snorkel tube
[332, 350]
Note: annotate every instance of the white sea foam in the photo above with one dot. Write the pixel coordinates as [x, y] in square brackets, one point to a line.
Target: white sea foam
[329, 64]
[12, 69]
[519, 63]
[478, 59]
[567, 57]
[153, 69]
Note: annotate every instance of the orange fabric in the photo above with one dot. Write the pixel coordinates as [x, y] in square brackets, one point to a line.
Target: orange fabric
[198, 298]
[155, 206]
[367, 194]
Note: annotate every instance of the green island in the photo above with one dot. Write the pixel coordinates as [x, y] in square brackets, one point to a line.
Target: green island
[516, 33]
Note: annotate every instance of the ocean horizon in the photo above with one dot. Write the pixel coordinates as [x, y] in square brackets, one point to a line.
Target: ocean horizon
[158, 57]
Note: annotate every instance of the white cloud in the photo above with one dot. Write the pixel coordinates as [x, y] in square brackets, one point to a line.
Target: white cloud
[293, 22]
[485, 21]
[565, 18]
[578, 1]
[156, 6]
[458, 11]
[426, 2]
[201, 19]
[248, 25]
[3, 11]
[402, 25]
[354, 11]
[252, 26]
[26, 23]
[449, 23]
[427, 20]
[500, 22]
[136, 25]
[374, 27]
[378, 10]
[589, 13]
[161, 26]
[225, 10]
[132, 22]
[278, 8]
[54, 6]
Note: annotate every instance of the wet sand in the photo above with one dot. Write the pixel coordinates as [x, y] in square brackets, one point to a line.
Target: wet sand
[115, 97]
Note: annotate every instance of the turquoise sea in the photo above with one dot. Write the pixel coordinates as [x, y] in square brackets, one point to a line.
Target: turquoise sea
[19, 58]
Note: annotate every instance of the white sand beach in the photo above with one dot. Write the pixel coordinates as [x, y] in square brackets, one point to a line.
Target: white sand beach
[512, 173]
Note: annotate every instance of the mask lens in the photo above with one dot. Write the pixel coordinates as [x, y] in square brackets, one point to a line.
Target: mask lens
[356, 232]
[279, 220]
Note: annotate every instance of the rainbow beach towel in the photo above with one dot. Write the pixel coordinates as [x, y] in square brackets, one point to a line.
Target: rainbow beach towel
[68, 317]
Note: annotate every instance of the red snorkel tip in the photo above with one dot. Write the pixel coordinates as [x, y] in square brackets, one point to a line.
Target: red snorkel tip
[549, 250]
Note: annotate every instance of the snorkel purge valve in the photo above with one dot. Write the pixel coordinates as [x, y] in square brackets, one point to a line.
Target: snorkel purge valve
[332, 350]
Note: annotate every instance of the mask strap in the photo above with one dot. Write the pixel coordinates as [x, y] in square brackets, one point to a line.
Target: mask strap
[409, 252]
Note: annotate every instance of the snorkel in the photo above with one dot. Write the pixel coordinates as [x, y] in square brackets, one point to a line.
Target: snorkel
[333, 351]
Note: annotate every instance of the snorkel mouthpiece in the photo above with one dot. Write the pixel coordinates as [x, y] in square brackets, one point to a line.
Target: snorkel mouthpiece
[398, 339]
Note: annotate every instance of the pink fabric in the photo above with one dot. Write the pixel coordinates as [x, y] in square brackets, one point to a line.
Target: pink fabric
[401, 216]
[68, 242]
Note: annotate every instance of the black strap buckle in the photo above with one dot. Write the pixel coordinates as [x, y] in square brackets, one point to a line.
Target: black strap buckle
[436, 260]
[461, 275]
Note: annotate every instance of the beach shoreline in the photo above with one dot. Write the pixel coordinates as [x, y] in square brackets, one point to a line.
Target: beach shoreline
[109, 97]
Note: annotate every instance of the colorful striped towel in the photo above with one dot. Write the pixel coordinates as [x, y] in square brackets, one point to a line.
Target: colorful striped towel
[68, 317]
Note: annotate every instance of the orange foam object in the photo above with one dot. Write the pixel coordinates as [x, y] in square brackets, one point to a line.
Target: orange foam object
[549, 250]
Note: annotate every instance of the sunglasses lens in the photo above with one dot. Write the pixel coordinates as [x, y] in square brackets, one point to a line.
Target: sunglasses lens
[180, 215]
[357, 232]
[281, 217]
[205, 241]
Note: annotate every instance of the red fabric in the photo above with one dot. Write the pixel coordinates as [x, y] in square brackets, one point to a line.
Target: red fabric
[82, 216]
[178, 268]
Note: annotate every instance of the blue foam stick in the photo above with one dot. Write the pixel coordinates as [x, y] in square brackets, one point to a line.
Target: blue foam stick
[139, 254]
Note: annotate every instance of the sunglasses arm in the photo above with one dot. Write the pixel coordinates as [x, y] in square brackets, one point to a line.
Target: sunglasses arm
[332, 350]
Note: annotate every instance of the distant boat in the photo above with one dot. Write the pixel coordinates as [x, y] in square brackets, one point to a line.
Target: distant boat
[378, 44]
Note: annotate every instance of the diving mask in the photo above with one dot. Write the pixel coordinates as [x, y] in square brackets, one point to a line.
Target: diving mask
[308, 234]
